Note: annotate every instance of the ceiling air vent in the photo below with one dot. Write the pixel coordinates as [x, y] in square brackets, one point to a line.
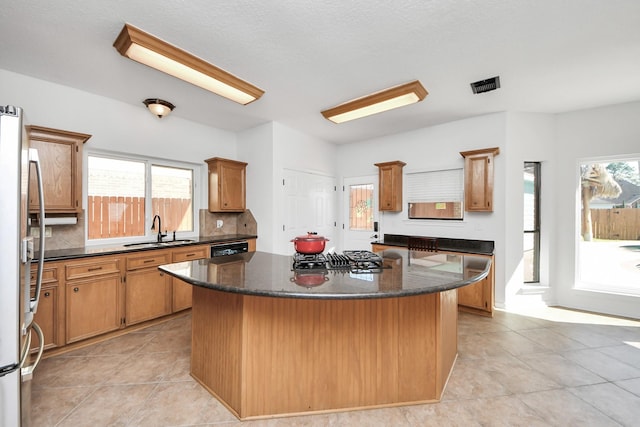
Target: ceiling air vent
[486, 85]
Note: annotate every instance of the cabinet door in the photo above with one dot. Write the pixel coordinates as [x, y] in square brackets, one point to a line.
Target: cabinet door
[478, 296]
[182, 291]
[46, 317]
[227, 185]
[232, 186]
[390, 186]
[473, 295]
[387, 190]
[147, 295]
[60, 154]
[478, 179]
[49, 315]
[92, 306]
[181, 297]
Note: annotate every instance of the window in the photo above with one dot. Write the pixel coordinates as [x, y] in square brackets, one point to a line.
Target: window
[436, 194]
[531, 241]
[609, 239]
[120, 193]
[171, 197]
[361, 207]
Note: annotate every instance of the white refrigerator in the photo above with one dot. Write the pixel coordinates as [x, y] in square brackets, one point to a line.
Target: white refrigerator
[18, 304]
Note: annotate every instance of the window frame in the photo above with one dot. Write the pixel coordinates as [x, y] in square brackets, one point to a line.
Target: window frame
[196, 170]
[443, 171]
[537, 169]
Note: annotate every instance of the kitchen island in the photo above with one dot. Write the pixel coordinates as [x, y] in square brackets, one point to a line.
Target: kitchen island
[269, 341]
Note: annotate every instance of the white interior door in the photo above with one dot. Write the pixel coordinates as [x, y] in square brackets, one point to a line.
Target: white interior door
[310, 201]
[360, 201]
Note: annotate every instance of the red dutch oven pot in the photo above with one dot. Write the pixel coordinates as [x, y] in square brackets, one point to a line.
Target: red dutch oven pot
[309, 244]
[309, 280]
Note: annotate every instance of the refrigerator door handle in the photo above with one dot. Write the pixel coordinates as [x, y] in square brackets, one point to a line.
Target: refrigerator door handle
[27, 371]
[33, 304]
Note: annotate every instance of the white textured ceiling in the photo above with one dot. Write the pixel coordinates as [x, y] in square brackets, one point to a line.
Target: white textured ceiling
[552, 56]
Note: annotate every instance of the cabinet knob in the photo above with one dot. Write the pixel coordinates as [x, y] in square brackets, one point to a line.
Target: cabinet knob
[76, 289]
[47, 294]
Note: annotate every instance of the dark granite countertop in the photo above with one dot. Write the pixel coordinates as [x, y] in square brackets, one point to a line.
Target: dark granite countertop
[82, 252]
[406, 273]
[481, 247]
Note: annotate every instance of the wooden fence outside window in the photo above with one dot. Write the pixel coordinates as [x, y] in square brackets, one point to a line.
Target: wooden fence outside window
[616, 224]
[111, 216]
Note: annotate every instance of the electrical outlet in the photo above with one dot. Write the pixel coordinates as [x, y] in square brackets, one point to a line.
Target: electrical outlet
[47, 232]
[219, 223]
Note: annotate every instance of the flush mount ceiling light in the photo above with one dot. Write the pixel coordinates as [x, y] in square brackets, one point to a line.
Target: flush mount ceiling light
[388, 99]
[159, 107]
[148, 50]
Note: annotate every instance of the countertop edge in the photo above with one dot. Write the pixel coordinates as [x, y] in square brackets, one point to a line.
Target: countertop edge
[325, 296]
[86, 252]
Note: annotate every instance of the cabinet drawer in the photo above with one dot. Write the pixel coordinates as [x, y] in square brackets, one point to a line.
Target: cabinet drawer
[49, 274]
[197, 252]
[94, 267]
[151, 259]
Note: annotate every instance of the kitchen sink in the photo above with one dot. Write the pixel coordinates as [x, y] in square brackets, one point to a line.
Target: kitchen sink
[141, 244]
[157, 244]
[176, 242]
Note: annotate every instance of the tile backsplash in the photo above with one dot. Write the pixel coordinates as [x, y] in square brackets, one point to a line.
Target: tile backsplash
[232, 223]
[64, 236]
[72, 236]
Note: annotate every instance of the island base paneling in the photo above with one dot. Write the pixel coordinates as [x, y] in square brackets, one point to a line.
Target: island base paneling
[264, 356]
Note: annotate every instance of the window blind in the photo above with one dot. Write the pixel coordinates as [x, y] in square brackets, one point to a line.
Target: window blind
[435, 186]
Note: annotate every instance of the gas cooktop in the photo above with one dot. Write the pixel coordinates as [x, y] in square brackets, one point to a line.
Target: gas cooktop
[351, 261]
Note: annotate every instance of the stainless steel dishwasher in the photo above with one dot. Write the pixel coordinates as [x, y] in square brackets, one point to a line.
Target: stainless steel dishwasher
[231, 248]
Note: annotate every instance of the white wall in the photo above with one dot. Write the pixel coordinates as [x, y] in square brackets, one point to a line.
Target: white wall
[255, 146]
[599, 132]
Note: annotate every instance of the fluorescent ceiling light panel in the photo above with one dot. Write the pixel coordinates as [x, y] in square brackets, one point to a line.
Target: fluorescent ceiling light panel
[388, 99]
[148, 50]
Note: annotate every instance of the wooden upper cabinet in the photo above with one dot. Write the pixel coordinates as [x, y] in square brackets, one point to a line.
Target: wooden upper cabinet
[390, 186]
[227, 185]
[478, 179]
[60, 154]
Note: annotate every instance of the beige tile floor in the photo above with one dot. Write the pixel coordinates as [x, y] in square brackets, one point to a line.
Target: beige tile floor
[534, 367]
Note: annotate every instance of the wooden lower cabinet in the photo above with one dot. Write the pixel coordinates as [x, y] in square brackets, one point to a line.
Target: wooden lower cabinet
[181, 297]
[86, 297]
[46, 317]
[50, 308]
[148, 295]
[147, 289]
[92, 306]
[473, 295]
[93, 289]
[477, 298]
[182, 292]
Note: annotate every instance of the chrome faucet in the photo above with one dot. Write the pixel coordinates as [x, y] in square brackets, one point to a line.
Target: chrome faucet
[153, 227]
